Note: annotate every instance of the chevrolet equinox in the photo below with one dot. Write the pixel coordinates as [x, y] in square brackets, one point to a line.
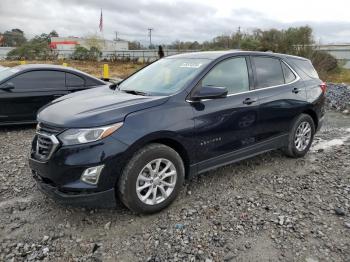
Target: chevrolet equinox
[137, 141]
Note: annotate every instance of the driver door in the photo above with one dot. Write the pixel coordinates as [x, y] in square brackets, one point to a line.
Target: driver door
[227, 125]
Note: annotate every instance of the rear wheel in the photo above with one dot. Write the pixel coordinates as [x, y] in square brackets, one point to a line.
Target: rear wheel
[152, 179]
[300, 137]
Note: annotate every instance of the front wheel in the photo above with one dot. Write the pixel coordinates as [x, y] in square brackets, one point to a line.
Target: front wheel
[300, 136]
[152, 179]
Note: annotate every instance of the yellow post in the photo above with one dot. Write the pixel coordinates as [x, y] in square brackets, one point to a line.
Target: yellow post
[105, 71]
[22, 62]
[65, 64]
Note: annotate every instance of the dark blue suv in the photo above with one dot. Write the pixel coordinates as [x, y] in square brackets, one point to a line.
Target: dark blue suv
[137, 141]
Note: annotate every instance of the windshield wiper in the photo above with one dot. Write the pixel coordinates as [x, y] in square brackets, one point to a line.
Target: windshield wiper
[135, 92]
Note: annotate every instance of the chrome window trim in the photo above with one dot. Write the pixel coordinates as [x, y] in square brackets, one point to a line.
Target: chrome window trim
[55, 144]
[297, 78]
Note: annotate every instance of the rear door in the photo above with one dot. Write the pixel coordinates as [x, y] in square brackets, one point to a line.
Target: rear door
[32, 90]
[226, 125]
[281, 94]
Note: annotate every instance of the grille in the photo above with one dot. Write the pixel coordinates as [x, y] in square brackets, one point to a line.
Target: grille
[44, 146]
[50, 130]
[46, 141]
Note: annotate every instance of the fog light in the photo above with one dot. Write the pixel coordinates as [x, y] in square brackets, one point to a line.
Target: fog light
[92, 174]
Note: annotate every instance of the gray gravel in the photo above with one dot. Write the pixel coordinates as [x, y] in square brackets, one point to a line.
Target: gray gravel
[268, 208]
[338, 97]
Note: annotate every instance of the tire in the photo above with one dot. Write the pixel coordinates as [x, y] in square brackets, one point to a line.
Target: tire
[292, 150]
[146, 161]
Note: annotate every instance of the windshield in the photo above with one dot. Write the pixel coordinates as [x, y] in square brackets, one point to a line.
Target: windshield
[164, 77]
[6, 72]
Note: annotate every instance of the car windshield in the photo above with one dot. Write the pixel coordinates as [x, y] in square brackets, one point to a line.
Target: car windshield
[164, 77]
[6, 72]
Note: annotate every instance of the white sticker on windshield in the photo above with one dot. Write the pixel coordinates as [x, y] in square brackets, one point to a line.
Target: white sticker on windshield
[191, 65]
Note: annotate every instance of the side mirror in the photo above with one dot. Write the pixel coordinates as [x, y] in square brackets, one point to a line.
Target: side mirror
[7, 86]
[209, 92]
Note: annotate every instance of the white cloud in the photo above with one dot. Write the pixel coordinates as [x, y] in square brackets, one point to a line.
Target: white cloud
[176, 19]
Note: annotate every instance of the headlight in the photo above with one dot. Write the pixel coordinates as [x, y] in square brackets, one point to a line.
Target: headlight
[86, 135]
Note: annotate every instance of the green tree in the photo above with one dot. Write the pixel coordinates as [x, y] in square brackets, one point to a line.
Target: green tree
[15, 38]
[36, 48]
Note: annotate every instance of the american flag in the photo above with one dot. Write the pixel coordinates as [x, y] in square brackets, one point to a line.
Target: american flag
[101, 22]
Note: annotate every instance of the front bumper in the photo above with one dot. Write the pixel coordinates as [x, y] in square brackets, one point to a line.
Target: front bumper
[104, 199]
[60, 176]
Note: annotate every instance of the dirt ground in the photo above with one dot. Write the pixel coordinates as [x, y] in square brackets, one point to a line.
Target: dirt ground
[116, 69]
[268, 208]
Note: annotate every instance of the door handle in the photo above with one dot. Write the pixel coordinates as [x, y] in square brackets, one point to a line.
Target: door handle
[295, 90]
[57, 96]
[249, 101]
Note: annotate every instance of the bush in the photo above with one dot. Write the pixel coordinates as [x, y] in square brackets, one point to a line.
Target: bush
[31, 51]
[35, 49]
[323, 62]
[82, 53]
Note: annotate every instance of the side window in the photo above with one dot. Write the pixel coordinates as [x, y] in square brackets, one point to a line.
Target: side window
[231, 73]
[306, 66]
[92, 82]
[74, 80]
[39, 80]
[288, 74]
[268, 71]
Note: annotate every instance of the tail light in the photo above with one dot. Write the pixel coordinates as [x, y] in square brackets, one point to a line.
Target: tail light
[323, 87]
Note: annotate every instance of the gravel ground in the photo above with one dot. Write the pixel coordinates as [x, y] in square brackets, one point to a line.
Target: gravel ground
[338, 97]
[267, 208]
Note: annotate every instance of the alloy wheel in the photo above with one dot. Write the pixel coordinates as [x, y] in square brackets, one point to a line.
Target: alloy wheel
[156, 181]
[302, 136]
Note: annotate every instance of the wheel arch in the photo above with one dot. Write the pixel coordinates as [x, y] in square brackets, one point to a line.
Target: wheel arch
[166, 138]
[313, 115]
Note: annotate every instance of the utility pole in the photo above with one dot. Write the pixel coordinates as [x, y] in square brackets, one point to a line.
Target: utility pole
[239, 38]
[150, 36]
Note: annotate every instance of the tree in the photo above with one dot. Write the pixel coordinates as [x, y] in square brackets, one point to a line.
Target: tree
[36, 48]
[15, 38]
[135, 45]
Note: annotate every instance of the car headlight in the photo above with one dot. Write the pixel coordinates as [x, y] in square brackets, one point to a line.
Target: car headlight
[86, 135]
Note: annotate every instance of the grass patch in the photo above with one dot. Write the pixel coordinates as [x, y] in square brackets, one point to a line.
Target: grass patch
[339, 75]
[124, 69]
[116, 69]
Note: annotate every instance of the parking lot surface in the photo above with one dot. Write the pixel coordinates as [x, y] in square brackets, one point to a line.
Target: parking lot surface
[267, 208]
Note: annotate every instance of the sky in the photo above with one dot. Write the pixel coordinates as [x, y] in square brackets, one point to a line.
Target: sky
[175, 19]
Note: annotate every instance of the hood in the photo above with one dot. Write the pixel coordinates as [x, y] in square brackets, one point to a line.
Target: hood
[95, 107]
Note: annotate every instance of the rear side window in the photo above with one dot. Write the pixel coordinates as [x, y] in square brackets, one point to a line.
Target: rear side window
[92, 82]
[40, 80]
[288, 74]
[306, 66]
[74, 80]
[268, 72]
[231, 73]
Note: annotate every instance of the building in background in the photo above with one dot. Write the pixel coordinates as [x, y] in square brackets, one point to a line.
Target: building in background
[65, 46]
[340, 51]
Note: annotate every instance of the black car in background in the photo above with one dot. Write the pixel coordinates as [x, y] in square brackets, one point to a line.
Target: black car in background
[179, 116]
[26, 88]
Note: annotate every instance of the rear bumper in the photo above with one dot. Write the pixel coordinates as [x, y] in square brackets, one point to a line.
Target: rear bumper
[104, 199]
